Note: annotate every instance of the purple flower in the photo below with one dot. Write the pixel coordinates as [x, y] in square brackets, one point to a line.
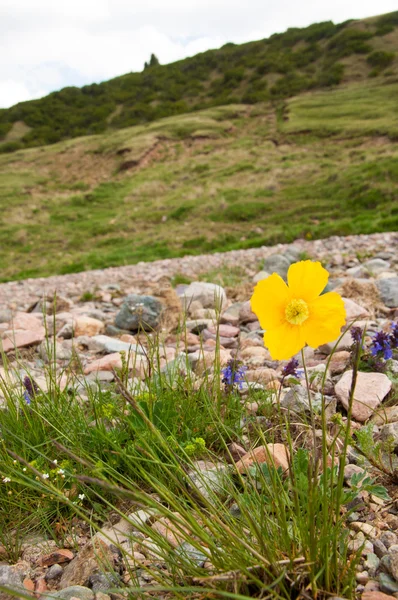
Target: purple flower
[394, 335]
[356, 334]
[233, 374]
[31, 389]
[381, 345]
[291, 368]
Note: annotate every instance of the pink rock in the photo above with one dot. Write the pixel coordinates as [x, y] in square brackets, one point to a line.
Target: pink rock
[370, 390]
[227, 331]
[205, 359]
[251, 341]
[339, 362]
[87, 326]
[354, 310]
[23, 339]
[276, 454]
[236, 450]
[226, 342]
[26, 321]
[106, 363]
[137, 364]
[171, 532]
[255, 351]
[130, 339]
[375, 595]
[262, 375]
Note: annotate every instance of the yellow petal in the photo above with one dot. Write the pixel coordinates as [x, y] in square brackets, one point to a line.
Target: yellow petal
[284, 341]
[327, 316]
[307, 279]
[269, 300]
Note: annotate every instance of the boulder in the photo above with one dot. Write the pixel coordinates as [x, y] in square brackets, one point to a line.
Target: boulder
[376, 266]
[209, 295]
[272, 454]
[108, 345]
[95, 557]
[370, 390]
[388, 289]
[22, 339]
[277, 263]
[11, 577]
[260, 276]
[139, 312]
[87, 326]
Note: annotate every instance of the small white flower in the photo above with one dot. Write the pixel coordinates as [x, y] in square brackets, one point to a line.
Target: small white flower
[60, 471]
[81, 496]
[45, 475]
[24, 469]
[6, 480]
[55, 462]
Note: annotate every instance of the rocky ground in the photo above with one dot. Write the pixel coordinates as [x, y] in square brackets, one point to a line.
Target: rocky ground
[96, 317]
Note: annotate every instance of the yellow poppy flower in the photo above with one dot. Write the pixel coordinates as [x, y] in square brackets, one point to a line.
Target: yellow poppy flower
[294, 315]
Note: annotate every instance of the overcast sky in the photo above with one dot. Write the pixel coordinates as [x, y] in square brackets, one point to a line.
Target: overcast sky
[49, 44]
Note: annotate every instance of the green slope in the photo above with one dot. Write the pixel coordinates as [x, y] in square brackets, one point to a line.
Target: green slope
[228, 177]
[284, 65]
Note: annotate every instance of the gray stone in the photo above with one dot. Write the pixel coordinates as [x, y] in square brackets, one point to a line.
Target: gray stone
[231, 315]
[176, 368]
[293, 253]
[394, 565]
[261, 275]
[277, 263]
[296, 399]
[209, 479]
[188, 551]
[388, 289]
[108, 345]
[376, 265]
[5, 315]
[210, 295]
[66, 331]
[389, 433]
[388, 538]
[141, 518]
[235, 510]
[387, 584]
[379, 548]
[198, 325]
[48, 353]
[103, 582]
[12, 578]
[74, 591]
[371, 563]
[356, 272]
[53, 572]
[100, 377]
[139, 312]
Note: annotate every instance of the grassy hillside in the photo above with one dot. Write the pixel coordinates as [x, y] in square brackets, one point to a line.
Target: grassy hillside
[284, 65]
[229, 177]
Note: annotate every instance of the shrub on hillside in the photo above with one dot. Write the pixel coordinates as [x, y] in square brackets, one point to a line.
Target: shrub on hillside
[380, 60]
[350, 41]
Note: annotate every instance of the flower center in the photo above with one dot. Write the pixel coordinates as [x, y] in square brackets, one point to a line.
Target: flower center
[296, 312]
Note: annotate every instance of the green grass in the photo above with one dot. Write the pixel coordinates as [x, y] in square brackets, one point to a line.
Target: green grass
[348, 112]
[319, 56]
[72, 206]
[116, 451]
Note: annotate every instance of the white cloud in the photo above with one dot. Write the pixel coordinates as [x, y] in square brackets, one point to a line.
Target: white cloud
[47, 45]
[12, 92]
